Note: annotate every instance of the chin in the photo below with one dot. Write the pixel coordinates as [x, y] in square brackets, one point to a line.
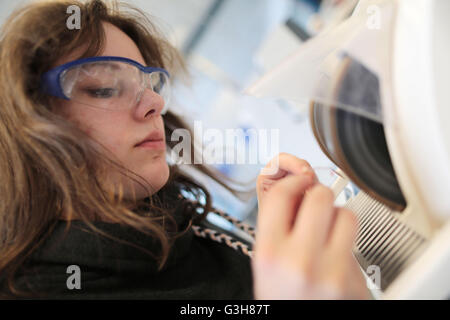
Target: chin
[154, 171]
[157, 176]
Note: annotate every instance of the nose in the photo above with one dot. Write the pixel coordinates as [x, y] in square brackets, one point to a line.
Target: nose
[150, 104]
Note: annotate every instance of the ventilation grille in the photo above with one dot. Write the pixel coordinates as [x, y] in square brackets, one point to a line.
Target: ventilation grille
[383, 240]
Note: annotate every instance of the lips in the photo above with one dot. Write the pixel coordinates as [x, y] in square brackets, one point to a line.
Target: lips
[155, 138]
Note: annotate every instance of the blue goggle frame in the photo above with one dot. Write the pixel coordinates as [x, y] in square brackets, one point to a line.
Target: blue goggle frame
[50, 81]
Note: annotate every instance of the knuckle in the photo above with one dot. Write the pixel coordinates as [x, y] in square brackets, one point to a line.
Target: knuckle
[285, 186]
[304, 162]
[276, 159]
[300, 161]
[310, 175]
[279, 190]
[285, 155]
[322, 193]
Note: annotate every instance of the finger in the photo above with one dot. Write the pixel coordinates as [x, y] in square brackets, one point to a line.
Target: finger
[314, 219]
[284, 164]
[344, 275]
[341, 242]
[358, 284]
[281, 166]
[343, 233]
[265, 185]
[281, 204]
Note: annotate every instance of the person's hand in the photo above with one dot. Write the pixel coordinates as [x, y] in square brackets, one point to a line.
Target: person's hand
[281, 166]
[303, 248]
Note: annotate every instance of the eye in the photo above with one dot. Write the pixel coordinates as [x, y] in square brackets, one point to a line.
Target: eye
[158, 81]
[102, 93]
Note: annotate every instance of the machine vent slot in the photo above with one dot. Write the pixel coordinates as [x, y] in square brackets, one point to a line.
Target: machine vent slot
[383, 240]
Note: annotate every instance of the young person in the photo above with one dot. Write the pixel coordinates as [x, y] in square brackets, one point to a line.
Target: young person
[86, 187]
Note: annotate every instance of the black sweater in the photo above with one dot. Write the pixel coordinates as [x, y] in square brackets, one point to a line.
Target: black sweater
[197, 268]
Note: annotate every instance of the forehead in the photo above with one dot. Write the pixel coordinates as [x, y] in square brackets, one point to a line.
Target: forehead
[119, 44]
[102, 68]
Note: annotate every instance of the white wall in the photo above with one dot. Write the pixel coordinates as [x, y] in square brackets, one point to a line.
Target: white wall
[6, 7]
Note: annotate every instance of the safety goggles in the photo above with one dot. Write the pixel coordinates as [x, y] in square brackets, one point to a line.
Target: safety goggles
[111, 83]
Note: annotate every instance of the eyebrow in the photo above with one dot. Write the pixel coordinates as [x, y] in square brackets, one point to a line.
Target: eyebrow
[112, 64]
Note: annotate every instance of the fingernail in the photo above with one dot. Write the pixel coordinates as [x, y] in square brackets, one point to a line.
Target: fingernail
[310, 173]
[306, 170]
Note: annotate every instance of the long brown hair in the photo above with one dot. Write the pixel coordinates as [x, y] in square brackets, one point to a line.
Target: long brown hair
[48, 166]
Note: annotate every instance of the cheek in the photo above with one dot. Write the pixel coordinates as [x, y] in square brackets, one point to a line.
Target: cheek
[111, 134]
[104, 127]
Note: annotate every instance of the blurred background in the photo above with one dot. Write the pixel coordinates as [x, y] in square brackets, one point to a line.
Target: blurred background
[228, 44]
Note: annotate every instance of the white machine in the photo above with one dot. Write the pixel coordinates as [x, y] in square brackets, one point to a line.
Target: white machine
[377, 88]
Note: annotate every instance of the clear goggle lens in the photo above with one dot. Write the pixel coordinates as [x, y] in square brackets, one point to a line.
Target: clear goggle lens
[112, 85]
